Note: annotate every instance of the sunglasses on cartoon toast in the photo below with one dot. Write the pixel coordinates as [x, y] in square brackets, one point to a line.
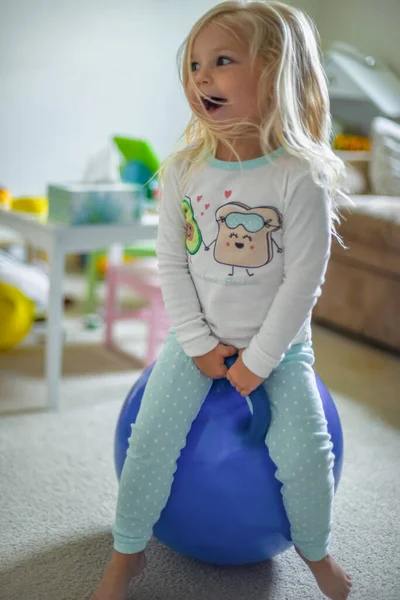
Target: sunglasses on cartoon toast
[251, 223]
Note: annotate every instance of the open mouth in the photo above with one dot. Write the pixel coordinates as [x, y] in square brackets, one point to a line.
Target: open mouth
[213, 103]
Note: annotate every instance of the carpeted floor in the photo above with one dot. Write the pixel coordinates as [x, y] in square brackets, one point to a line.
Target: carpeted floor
[58, 489]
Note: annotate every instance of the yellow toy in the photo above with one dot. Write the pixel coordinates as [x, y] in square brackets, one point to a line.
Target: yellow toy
[101, 264]
[17, 316]
[5, 199]
[24, 291]
[352, 143]
[34, 205]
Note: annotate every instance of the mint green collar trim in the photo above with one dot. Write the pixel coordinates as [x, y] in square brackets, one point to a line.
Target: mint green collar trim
[246, 164]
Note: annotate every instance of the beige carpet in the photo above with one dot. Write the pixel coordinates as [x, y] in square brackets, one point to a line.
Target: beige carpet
[58, 489]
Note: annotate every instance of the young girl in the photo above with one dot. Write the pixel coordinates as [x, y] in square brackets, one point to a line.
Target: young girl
[244, 239]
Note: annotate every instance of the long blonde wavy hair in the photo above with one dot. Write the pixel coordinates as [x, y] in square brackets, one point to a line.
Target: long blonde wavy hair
[285, 41]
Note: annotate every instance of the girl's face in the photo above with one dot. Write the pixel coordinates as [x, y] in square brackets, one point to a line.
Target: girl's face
[225, 77]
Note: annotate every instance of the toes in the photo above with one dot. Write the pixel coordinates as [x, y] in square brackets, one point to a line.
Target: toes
[345, 594]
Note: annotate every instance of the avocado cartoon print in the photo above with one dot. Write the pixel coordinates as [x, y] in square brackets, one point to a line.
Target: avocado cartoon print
[244, 235]
[193, 234]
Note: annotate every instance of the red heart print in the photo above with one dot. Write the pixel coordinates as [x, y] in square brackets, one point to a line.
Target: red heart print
[199, 198]
[207, 206]
[202, 214]
[228, 193]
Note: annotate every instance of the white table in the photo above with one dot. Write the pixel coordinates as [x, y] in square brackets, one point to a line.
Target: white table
[58, 241]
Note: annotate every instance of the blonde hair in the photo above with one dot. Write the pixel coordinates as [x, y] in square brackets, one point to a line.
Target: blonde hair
[285, 41]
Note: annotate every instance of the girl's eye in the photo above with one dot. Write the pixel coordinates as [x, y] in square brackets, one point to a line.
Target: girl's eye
[248, 237]
[223, 61]
[233, 235]
[195, 66]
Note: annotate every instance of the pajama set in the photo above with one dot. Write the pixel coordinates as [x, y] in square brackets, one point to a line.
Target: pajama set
[242, 251]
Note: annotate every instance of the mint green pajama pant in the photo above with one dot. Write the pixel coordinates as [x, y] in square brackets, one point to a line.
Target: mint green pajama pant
[297, 438]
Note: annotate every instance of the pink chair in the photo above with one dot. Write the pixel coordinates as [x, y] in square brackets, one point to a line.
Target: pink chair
[142, 277]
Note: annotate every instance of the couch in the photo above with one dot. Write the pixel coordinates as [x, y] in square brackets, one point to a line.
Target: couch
[361, 294]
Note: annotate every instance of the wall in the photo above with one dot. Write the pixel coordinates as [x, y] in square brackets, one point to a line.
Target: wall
[373, 26]
[309, 6]
[74, 73]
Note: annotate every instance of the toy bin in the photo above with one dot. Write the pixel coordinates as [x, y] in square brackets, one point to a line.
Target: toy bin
[90, 204]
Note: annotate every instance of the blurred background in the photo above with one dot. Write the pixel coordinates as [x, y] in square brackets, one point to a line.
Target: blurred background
[74, 73]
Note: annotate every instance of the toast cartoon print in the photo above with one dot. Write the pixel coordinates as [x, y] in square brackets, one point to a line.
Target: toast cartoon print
[244, 236]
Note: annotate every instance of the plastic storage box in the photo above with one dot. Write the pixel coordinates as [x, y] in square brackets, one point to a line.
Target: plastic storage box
[84, 204]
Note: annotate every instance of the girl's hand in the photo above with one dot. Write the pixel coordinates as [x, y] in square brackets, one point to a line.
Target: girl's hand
[244, 380]
[212, 364]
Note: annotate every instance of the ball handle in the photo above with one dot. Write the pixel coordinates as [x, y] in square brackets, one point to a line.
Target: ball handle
[261, 417]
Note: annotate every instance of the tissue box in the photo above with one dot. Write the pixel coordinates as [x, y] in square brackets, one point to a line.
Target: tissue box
[89, 203]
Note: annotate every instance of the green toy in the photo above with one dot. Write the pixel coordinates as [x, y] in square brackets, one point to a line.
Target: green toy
[138, 151]
[140, 164]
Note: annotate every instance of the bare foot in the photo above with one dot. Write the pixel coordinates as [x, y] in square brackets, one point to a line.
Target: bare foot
[120, 572]
[332, 579]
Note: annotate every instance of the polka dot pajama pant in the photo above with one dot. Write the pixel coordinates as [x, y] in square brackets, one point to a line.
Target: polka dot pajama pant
[298, 441]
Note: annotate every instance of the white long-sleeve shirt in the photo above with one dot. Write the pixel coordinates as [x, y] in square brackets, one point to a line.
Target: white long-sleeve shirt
[242, 252]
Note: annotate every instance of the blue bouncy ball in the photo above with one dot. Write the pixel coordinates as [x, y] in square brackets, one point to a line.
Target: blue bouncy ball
[225, 505]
